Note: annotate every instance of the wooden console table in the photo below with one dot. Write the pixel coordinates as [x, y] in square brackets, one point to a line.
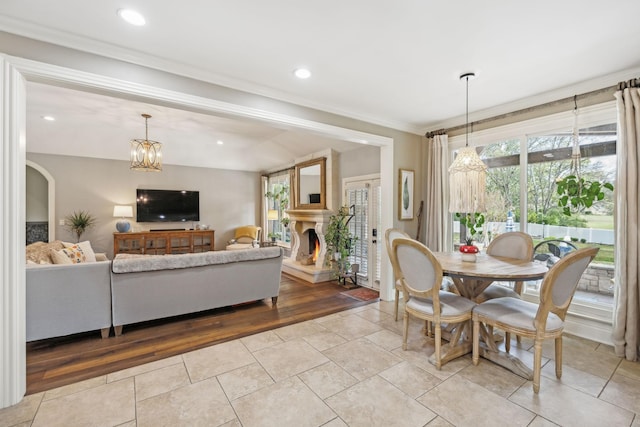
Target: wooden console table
[163, 242]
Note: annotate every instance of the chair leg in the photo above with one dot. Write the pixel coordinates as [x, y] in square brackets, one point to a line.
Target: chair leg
[395, 310]
[559, 357]
[428, 326]
[405, 331]
[476, 342]
[507, 341]
[438, 338]
[537, 364]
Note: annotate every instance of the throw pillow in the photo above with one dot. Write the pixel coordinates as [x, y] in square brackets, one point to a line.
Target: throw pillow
[40, 252]
[60, 257]
[86, 248]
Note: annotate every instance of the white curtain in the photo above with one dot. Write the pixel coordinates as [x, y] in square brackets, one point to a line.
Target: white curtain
[264, 223]
[626, 322]
[437, 218]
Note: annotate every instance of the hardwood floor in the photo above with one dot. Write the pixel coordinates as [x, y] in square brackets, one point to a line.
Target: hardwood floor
[60, 361]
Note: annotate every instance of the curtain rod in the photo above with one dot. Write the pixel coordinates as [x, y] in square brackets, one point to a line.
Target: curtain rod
[629, 84]
[547, 105]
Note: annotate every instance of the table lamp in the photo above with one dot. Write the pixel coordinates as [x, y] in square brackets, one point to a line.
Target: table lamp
[272, 215]
[122, 212]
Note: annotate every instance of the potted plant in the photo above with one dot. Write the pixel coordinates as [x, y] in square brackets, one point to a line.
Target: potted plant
[472, 222]
[280, 195]
[340, 240]
[78, 222]
[273, 236]
[577, 193]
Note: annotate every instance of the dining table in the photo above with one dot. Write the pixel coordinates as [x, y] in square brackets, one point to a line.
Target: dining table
[470, 280]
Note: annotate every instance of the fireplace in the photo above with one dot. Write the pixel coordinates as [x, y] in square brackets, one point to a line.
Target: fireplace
[308, 228]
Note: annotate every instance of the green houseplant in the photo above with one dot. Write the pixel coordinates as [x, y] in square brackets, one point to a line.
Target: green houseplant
[472, 222]
[78, 222]
[280, 195]
[273, 236]
[577, 194]
[340, 240]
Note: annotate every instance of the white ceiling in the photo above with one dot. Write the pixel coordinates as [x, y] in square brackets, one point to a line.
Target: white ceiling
[91, 125]
[392, 63]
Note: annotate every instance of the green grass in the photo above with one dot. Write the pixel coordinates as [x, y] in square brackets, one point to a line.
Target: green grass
[603, 222]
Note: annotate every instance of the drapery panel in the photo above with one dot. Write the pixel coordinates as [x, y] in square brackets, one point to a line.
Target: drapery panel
[626, 322]
[437, 219]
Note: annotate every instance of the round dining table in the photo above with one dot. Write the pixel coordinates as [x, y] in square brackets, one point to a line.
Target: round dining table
[470, 280]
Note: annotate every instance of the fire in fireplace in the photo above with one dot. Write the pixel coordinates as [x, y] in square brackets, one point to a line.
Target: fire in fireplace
[314, 244]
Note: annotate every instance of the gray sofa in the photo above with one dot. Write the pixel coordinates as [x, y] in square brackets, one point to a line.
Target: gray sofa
[147, 287]
[66, 299]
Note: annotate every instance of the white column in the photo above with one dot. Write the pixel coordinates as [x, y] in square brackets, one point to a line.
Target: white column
[13, 375]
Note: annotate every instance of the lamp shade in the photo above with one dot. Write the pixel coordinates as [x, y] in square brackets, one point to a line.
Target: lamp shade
[467, 182]
[123, 211]
[272, 215]
[120, 211]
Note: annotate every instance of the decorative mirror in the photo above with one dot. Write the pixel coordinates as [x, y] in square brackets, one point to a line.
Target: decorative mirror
[310, 184]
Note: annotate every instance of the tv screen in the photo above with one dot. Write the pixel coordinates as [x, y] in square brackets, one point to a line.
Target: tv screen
[167, 206]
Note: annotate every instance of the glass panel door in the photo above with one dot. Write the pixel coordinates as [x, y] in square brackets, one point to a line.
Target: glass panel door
[364, 199]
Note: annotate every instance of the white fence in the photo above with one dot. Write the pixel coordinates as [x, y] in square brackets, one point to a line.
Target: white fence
[591, 235]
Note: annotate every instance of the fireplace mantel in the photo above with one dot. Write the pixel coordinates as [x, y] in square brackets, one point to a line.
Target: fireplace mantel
[302, 220]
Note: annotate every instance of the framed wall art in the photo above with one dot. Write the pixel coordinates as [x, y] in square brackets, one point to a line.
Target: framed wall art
[405, 194]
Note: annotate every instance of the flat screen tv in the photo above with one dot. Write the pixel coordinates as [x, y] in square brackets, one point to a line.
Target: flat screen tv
[167, 206]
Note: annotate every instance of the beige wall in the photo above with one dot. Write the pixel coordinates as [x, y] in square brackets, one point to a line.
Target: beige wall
[37, 200]
[363, 161]
[109, 182]
[228, 199]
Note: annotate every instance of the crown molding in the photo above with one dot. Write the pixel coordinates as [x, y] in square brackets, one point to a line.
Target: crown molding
[95, 47]
[597, 83]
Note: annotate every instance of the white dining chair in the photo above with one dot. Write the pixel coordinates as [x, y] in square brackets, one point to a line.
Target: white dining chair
[537, 321]
[389, 236]
[420, 275]
[512, 244]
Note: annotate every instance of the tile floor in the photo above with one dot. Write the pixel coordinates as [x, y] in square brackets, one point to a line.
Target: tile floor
[346, 369]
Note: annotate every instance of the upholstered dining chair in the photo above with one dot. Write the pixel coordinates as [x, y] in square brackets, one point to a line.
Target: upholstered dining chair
[389, 236]
[537, 321]
[512, 244]
[420, 276]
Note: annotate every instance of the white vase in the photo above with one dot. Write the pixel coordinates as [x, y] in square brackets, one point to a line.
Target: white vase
[469, 257]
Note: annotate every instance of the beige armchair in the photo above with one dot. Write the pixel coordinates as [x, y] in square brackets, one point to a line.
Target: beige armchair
[245, 237]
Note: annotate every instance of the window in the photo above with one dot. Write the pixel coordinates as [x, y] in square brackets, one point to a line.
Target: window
[278, 202]
[525, 159]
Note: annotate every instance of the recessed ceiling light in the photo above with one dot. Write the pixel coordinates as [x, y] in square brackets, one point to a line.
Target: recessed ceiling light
[132, 17]
[302, 73]
[220, 142]
[49, 118]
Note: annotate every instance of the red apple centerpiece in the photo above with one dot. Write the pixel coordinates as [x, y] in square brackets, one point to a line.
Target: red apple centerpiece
[469, 251]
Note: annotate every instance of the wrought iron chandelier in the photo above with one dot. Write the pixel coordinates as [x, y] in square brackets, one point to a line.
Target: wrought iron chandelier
[146, 155]
[467, 174]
